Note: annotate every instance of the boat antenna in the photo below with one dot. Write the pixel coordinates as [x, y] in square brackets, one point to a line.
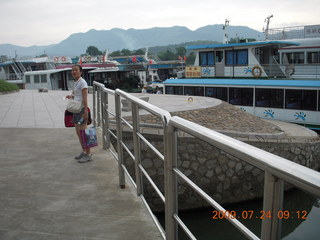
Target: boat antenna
[266, 30]
[225, 35]
[146, 54]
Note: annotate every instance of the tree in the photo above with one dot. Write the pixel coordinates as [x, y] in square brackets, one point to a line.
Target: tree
[115, 54]
[190, 59]
[167, 55]
[138, 52]
[125, 52]
[181, 51]
[93, 51]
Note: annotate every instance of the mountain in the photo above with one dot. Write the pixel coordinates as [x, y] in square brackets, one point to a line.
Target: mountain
[117, 39]
[12, 50]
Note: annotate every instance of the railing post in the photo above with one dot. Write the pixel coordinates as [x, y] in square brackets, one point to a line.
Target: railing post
[272, 204]
[99, 106]
[94, 115]
[107, 129]
[137, 147]
[119, 140]
[105, 120]
[171, 194]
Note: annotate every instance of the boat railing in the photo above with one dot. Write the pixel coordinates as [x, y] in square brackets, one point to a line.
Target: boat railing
[270, 70]
[277, 170]
[294, 32]
[14, 76]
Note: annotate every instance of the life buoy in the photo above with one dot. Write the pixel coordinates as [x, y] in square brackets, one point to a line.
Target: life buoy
[88, 58]
[256, 71]
[56, 59]
[63, 59]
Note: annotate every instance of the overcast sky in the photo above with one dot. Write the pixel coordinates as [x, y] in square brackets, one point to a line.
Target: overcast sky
[44, 22]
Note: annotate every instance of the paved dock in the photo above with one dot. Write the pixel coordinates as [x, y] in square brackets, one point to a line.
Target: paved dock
[45, 193]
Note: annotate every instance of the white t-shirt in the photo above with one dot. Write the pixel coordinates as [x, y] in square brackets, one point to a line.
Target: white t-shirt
[77, 89]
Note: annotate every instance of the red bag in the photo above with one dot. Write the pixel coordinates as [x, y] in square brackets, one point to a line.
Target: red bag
[68, 118]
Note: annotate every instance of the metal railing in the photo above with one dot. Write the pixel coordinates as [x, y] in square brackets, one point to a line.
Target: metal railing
[101, 112]
[271, 70]
[277, 170]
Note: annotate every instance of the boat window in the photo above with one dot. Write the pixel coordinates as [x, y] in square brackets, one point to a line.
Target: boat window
[36, 79]
[301, 99]
[27, 79]
[313, 57]
[294, 58]
[266, 97]
[70, 77]
[175, 90]
[237, 57]
[206, 58]
[219, 56]
[241, 96]
[217, 92]
[193, 91]
[43, 78]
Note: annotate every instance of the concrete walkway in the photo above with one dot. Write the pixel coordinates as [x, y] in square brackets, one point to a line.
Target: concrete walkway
[45, 193]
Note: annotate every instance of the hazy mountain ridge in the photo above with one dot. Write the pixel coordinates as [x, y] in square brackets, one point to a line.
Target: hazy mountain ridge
[117, 39]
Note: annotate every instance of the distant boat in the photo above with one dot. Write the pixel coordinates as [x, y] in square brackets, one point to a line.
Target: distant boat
[273, 79]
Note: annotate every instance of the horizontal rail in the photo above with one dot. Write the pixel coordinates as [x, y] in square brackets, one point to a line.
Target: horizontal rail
[128, 150]
[154, 218]
[111, 113]
[126, 123]
[163, 114]
[152, 183]
[216, 205]
[115, 136]
[107, 90]
[128, 175]
[114, 154]
[160, 155]
[184, 227]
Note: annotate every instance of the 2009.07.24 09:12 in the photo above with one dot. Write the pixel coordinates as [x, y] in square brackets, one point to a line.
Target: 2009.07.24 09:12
[250, 214]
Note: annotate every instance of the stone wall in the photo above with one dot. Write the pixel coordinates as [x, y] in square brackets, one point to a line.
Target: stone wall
[221, 175]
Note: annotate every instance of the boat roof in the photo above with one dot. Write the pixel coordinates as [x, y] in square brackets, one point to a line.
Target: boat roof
[50, 71]
[105, 69]
[243, 82]
[245, 44]
[11, 63]
[305, 43]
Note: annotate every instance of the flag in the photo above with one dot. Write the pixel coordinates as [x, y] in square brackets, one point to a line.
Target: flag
[80, 60]
[185, 58]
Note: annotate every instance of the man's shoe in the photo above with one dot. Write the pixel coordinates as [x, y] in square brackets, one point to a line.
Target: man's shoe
[85, 158]
[81, 155]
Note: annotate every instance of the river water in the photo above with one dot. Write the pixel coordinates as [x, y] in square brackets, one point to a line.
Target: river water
[301, 221]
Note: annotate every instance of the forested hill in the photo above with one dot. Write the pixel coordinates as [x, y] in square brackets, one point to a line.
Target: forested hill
[117, 39]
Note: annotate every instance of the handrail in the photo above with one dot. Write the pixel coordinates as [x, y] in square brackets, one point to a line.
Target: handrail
[277, 169]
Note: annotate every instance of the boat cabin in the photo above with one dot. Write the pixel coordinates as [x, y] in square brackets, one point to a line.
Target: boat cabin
[259, 59]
